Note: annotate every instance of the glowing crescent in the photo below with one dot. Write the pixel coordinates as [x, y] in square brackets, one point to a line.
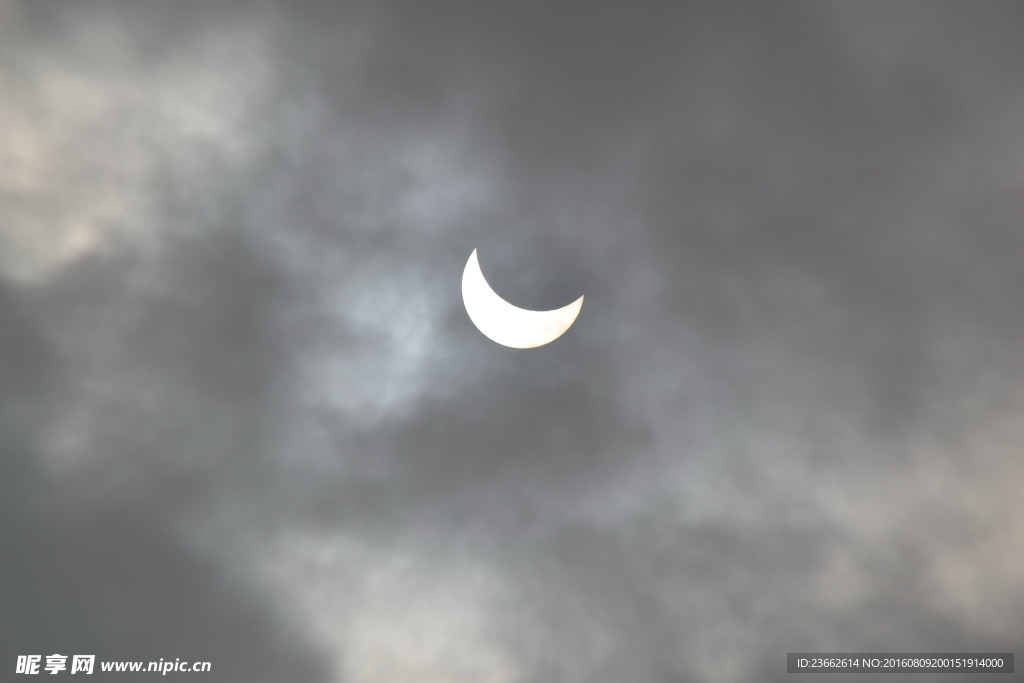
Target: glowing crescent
[510, 325]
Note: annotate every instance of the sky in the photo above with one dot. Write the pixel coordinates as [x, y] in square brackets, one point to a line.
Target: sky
[244, 417]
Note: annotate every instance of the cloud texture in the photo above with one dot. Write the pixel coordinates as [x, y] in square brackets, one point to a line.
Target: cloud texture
[245, 418]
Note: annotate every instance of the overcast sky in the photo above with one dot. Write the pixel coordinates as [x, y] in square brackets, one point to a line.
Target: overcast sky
[245, 418]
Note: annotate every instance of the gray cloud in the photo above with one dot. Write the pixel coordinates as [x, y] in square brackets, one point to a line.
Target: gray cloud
[241, 392]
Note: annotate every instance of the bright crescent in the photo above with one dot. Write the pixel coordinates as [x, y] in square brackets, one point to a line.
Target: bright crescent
[510, 325]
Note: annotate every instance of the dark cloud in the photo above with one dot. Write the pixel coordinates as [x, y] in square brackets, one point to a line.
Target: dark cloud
[111, 576]
[241, 392]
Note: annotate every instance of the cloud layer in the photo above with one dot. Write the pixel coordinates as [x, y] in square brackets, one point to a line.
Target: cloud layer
[245, 418]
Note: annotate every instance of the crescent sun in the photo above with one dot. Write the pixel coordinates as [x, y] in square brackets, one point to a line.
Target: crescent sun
[510, 325]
